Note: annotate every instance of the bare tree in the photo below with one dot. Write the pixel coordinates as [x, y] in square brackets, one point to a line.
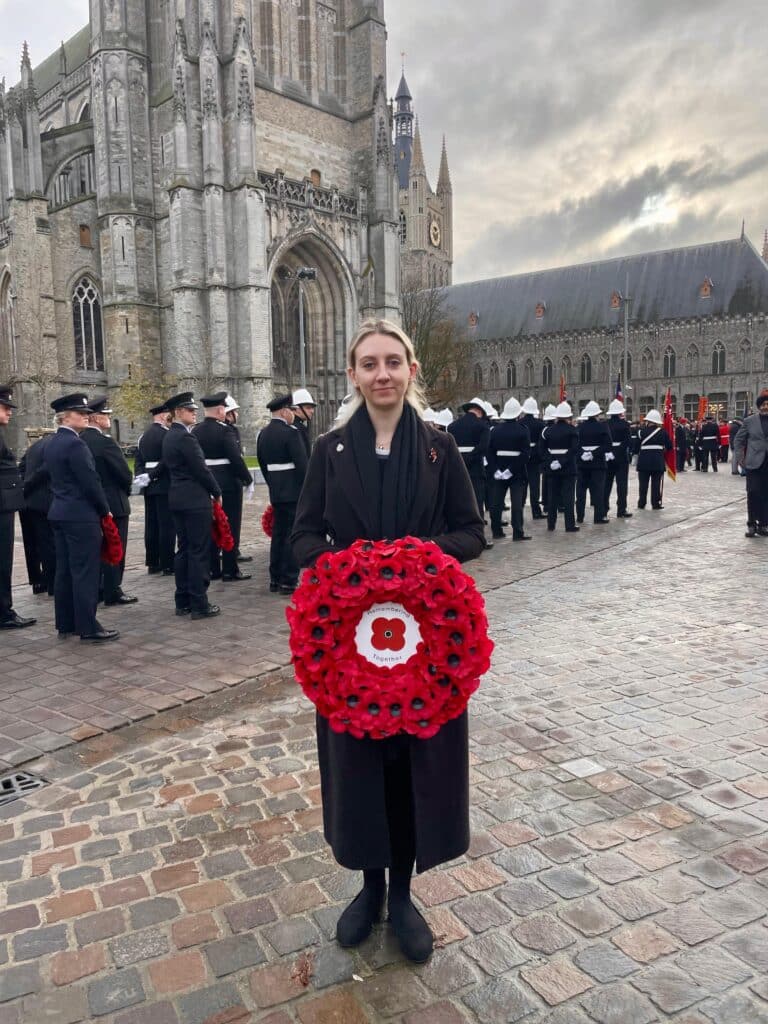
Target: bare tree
[442, 348]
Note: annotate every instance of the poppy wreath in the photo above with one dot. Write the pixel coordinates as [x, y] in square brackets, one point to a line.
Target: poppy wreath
[268, 520]
[388, 637]
[220, 531]
[111, 544]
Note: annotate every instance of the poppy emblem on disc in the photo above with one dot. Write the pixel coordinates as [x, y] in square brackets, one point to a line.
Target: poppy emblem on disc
[388, 634]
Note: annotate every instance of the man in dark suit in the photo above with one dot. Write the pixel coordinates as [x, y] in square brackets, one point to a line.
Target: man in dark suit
[192, 486]
[11, 500]
[751, 453]
[78, 506]
[283, 461]
[159, 532]
[39, 545]
[116, 479]
[223, 458]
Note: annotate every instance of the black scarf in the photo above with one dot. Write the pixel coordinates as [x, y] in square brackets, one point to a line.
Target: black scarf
[390, 496]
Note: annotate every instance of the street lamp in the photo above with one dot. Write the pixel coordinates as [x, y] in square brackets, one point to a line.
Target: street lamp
[303, 274]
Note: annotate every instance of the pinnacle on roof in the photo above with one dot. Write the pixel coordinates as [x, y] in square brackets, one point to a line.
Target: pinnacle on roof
[25, 61]
[417, 160]
[444, 178]
[765, 246]
[403, 92]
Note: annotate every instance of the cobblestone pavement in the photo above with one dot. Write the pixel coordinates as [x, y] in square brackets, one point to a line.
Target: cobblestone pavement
[174, 872]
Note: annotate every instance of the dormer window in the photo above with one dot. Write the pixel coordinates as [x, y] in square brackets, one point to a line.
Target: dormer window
[473, 319]
[541, 309]
[705, 288]
[615, 300]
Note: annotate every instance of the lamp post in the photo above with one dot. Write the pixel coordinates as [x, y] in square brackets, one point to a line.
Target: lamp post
[303, 274]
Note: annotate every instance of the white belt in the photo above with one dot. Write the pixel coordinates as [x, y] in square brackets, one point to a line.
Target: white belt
[590, 448]
[533, 444]
[652, 448]
[466, 451]
[615, 444]
[508, 455]
[151, 465]
[557, 451]
[280, 467]
[217, 462]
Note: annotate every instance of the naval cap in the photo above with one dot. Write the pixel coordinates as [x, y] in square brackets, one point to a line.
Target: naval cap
[280, 402]
[217, 398]
[6, 394]
[184, 400]
[77, 402]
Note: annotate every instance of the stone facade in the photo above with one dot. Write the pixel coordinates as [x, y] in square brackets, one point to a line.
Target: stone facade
[195, 156]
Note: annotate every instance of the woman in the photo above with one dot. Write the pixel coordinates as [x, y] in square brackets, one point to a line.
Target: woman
[383, 473]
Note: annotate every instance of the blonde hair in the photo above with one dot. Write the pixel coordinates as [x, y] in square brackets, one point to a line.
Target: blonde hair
[414, 394]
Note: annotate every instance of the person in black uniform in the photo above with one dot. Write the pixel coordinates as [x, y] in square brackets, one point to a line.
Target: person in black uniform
[39, 545]
[709, 439]
[283, 461]
[559, 446]
[472, 434]
[11, 500]
[231, 420]
[617, 460]
[652, 442]
[680, 446]
[534, 426]
[79, 504]
[192, 486]
[594, 445]
[303, 411]
[159, 531]
[225, 461]
[508, 455]
[117, 480]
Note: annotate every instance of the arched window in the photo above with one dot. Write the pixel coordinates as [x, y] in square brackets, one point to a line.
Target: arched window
[586, 369]
[511, 375]
[85, 113]
[626, 376]
[605, 361]
[646, 404]
[745, 354]
[546, 372]
[8, 356]
[495, 376]
[528, 373]
[670, 362]
[403, 228]
[692, 361]
[565, 368]
[86, 320]
[646, 364]
[718, 358]
[477, 375]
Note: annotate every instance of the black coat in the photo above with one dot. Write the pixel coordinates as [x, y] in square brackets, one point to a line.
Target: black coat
[333, 512]
[219, 442]
[509, 448]
[11, 493]
[535, 426]
[709, 435]
[621, 440]
[149, 459]
[77, 492]
[652, 443]
[594, 437]
[303, 428]
[113, 469]
[37, 480]
[559, 443]
[192, 483]
[279, 445]
[472, 436]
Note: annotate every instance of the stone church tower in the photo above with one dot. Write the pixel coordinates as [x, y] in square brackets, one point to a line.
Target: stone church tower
[426, 217]
[167, 173]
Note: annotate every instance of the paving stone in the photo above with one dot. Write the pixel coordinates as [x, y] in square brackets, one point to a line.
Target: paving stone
[480, 912]
[250, 914]
[394, 992]
[567, 882]
[447, 971]
[669, 988]
[67, 1006]
[712, 968]
[744, 858]
[732, 909]
[589, 916]
[97, 927]
[330, 1008]
[291, 936]
[235, 954]
[115, 992]
[690, 924]
[711, 872]
[735, 1007]
[274, 984]
[154, 911]
[556, 981]
[611, 867]
[68, 967]
[521, 860]
[254, 883]
[496, 952]
[19, 981]
[332, 966]
[157, 1013]
[39, 942]
[525, 897]
[131, 949]
[543, 933]
[604, 962]
[619, 1004]
[750, 945]
[645, 942]
[217, 1003]
[33, 889]
[631, 901]
[437, 1013]
[499, 1002]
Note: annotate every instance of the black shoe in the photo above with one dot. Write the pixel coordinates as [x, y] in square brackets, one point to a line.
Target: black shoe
[63, 634]
[641, 506]
[498, 534]
[169, 572]
[488, 545]
[287, 588]
[657, 508]
[623, 515]
[601, 522]
[245, 558]
[274, 588]
[412, 931]
[210, 611]
[579, 519]
[751, 530]
[572, 529]
[358, 918]
[123, 599]
[101, 636]
[153, 570]
[183, 611]
[551, 529]
[505, 522]
[538, 515]
[521, 536]
[762, 531]
[39, 588]
[235, 576]
[16, 621]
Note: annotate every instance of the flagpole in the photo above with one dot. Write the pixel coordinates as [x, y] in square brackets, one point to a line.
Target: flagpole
[626, 339]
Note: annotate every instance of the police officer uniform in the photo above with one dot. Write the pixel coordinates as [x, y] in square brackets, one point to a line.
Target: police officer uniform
[617, 468]
[192, 486]
[652, 442]
[78, 506]
[559, 446]
[709, 440]
[283, 461]
[225, 461]
[594, 444]
[159, 531]
[508, 457]
[39, 545]
[11, 500]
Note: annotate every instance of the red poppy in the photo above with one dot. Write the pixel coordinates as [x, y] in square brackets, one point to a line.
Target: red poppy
[111, 543]
[388, 634]
[268, 520]
[220, 531]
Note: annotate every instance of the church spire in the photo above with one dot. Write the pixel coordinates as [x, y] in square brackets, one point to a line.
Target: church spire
[444, 178]
[765, 246]
[417, 161]
[403, 132]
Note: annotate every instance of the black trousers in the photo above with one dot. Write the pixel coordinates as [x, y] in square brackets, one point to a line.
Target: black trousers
[226, 561]
[112, 575]
[283, 567]
[39, 548]
[192, 562]
[534, 487]
[681, 460]
[516, 490]
[561, 494]
[478, 485]
[6, 564]
[78, 568]
[709, 455]
[757, 496]
[159, 532]
[592, 480]
[655, 479]
[618, 472]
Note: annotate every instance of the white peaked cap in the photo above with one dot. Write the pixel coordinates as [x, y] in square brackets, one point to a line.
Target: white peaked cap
[616, 408]
[230, 404]
[590, 409]
[550, 413]
[302, 397]
[531, 406]
[654, 416]
[444, 418]
[563, 411]
[512, 409]
[429, 416]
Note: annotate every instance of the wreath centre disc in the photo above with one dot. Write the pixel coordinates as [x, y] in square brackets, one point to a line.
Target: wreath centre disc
[387, 635]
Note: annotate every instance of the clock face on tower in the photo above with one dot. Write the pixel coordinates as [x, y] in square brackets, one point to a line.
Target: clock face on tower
[434, 233]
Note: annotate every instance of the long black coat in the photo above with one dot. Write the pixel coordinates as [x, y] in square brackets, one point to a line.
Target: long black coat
[114, 472]
[219, 442]
[333, 505]
[192, 483]
[149, 459]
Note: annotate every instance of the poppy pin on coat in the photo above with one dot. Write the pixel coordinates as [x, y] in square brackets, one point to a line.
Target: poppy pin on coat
[432, 455]
[339, 447]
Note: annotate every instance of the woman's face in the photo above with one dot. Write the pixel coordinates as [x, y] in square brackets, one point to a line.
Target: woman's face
[381, 371]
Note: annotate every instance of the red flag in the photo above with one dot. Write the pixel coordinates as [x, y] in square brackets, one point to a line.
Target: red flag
[670, 457]
[563, 392]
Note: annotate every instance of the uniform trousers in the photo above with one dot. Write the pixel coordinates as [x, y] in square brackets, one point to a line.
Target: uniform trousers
[561, 495]
[699, 456]
[39, 548]
[707, 455]
[681, 460]
[478, 485]
[193, 559]
[620, 473]
[6, 564]
[78, 568]
[534, 488]
[516, 490]
[655, 479]
[159, 532]
[283, 567]
[112, 575]
[226, 561]
[592, 480]
[757, 496]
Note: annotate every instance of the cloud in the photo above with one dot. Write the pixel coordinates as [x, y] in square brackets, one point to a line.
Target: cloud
[43, 23]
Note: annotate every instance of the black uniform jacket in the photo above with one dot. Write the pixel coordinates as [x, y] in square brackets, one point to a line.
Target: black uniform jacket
[37, 480]
[303, 429]
[149, 459]
[219, 442]
[709, 435]
[559, 443]
[77, 492]
[652, 442]
[509, 448]
[621, 440]
[472, 435]
[333, 512]
[283, 461]
[11, 493]
[192, 483]
[535, 427]
[113, 469]
[594, 437]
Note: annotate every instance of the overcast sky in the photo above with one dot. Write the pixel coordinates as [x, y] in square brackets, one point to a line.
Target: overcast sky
[576, 129]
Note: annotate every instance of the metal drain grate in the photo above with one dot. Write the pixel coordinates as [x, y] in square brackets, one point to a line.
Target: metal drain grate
[18, 784]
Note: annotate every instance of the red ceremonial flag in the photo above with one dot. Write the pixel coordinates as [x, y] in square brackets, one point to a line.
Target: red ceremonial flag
[563, 393]
[670, 457]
